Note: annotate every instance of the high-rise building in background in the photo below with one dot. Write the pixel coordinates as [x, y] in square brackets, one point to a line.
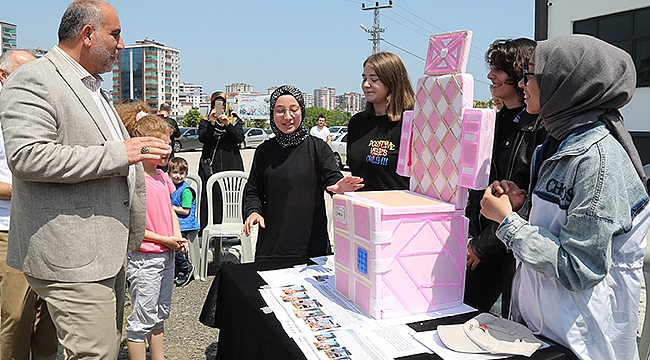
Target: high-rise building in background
[239, 88]
[148, 70]
[309, 100]
[325, 97]
[8, 34]
[191, 93]
[351, 102]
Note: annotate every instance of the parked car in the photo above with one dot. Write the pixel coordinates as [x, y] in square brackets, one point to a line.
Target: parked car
[340, 148]
[189, 139]
[338, 130]
[253, 137]
[334, 137]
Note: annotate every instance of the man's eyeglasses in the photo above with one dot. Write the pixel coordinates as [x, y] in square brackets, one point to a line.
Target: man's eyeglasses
[526, 74]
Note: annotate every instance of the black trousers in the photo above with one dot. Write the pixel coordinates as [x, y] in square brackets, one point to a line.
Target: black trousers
[491, 278]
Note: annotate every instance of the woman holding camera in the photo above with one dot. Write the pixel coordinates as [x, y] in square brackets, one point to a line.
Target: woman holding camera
[221, 135]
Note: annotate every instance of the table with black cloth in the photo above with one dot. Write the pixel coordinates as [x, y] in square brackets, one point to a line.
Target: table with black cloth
[234, 304]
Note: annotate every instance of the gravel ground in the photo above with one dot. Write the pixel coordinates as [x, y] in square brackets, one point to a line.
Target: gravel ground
[185, 337]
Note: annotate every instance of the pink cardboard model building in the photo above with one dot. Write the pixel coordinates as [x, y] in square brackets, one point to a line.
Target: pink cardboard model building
[399, 253]
[403, 252]
[436, 136]
[447, 53]
[476, 150]
[404, 161]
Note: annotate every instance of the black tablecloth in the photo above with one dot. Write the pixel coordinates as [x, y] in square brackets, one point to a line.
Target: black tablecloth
[233, 305]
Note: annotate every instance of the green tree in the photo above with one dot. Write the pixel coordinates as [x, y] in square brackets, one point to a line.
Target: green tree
[192, 118]
[259, 123]
[483, 104]
[335, 117]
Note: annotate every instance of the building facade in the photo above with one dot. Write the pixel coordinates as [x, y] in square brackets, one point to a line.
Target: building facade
[191, 93]
[8, 34]
[325, 97]
[351, 102]
[309, 100]
[148, 70]
[623, 23]
[239, 88]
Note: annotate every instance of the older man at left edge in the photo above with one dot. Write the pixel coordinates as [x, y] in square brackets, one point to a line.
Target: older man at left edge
[78, 185]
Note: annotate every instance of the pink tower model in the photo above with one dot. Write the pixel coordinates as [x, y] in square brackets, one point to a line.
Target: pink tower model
[400, 253]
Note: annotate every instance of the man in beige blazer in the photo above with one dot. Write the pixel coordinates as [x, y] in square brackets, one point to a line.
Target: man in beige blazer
[26, 330]
[78, 186]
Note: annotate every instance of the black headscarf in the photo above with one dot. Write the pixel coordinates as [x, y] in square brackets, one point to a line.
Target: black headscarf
[582, 80]
[301, 133]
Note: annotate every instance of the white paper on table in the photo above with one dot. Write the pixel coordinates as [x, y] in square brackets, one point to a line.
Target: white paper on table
[431, 340]
[326, 261]
[369, 343]
[336, 311]
[408, 319]
[296, 275]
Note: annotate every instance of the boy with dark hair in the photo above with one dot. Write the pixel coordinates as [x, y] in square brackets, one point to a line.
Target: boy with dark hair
[184, 204]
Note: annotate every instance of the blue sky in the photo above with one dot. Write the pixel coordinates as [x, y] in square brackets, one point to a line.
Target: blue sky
[307, 43]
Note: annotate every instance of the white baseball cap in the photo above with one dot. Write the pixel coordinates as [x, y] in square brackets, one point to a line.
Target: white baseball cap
[486, 333]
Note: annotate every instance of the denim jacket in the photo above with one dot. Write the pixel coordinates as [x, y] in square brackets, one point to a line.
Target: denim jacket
[580, 255]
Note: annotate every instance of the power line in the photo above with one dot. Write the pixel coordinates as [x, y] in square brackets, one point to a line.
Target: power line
[421, 27]
[423, 59]
[472, 54]
[406, 51]
[426, 35]
[437, 27]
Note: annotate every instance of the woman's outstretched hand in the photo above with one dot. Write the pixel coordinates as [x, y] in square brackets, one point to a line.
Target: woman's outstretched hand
[252, 219]
[348, 183]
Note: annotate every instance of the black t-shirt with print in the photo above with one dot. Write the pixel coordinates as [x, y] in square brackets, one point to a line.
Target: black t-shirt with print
[373, 147]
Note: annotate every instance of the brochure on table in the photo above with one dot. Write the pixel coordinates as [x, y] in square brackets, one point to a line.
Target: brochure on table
[326, 325]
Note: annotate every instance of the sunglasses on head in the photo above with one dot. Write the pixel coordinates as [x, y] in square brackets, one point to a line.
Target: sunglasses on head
[526, 74]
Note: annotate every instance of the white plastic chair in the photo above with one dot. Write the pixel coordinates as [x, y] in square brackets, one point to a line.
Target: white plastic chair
[232, 185]
[194, 247]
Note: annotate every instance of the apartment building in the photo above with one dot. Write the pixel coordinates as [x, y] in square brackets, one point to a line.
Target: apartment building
[351, 102]
[239, 88]
[191, 93]
[8, 35]
[325, 97]
[148, 70]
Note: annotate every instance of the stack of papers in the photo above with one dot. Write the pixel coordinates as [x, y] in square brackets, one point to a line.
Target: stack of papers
[326, 325]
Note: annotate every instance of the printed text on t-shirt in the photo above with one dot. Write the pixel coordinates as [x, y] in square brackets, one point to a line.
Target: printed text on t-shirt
[378, 153]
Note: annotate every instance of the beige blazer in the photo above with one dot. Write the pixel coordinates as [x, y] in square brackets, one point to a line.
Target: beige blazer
[71, 216]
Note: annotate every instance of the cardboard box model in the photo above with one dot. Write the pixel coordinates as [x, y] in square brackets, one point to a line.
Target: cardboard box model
[399, 253]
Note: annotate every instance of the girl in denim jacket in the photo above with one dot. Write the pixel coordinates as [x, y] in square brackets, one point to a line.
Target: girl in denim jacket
[580, 255]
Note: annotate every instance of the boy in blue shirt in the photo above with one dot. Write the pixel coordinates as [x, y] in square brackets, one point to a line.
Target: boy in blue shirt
[184, 204]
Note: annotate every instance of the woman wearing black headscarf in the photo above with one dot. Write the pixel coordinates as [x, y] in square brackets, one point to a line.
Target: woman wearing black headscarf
[580, 254]
[221, 136]
[285, 189]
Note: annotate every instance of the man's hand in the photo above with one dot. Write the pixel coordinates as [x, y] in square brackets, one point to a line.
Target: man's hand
[146, 148]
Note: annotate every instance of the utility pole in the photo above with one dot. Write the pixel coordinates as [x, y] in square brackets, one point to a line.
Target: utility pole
[376, 30]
